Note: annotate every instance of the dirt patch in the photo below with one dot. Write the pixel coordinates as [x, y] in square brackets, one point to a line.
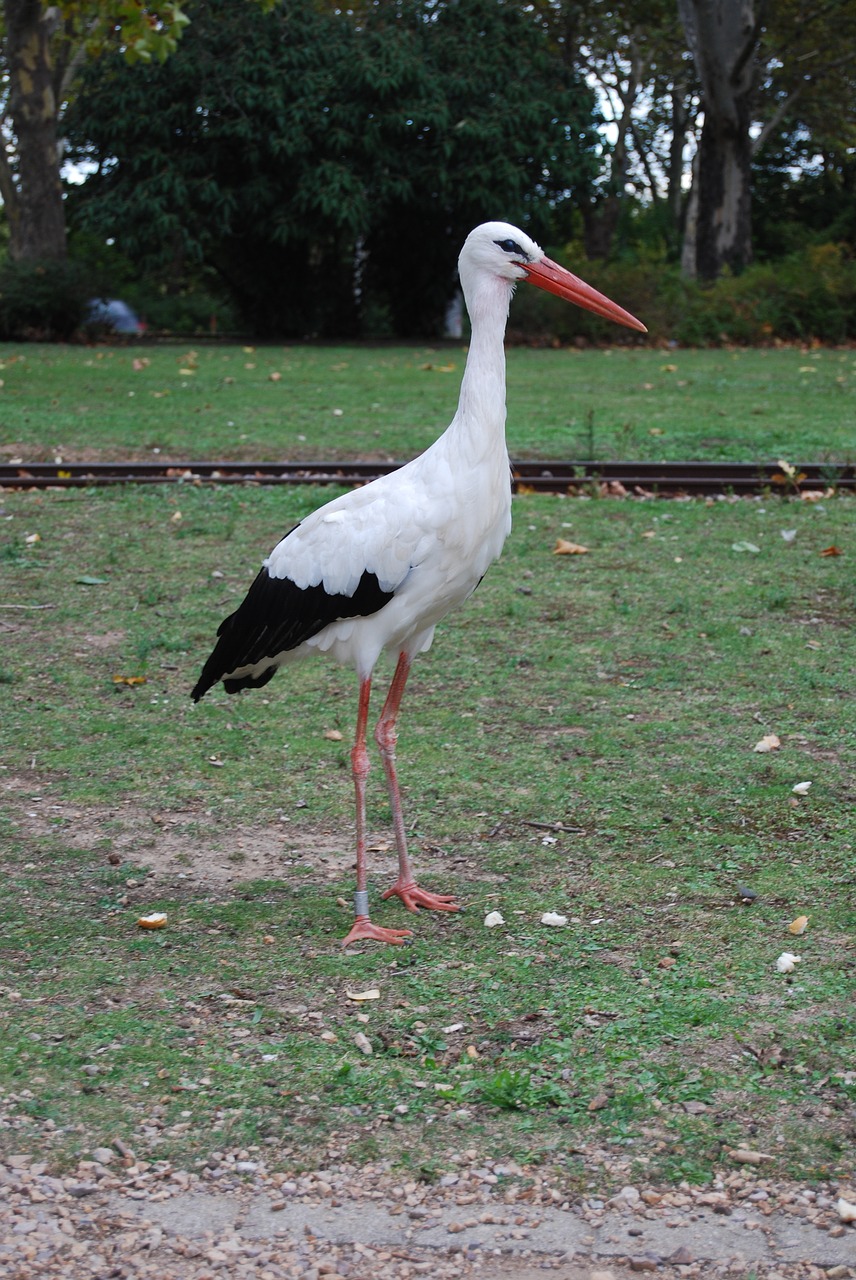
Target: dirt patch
[189, 847]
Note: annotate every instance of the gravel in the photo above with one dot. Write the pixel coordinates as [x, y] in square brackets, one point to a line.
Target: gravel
[120, 1217]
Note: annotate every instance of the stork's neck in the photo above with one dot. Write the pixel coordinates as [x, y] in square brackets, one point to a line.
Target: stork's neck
[481, 408]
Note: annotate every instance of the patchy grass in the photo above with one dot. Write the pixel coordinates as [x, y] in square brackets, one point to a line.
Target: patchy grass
[579, 740]
[84, 403]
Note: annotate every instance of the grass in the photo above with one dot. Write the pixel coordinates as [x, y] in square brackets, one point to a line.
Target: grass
[579, 740]
[340, 402]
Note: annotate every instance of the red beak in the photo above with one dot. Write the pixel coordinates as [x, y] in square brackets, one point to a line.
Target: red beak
[555, 279]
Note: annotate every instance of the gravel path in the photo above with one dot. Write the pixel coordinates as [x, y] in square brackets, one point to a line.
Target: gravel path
[138, 1220]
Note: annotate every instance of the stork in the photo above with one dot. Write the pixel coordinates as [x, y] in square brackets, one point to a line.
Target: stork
[377, 568]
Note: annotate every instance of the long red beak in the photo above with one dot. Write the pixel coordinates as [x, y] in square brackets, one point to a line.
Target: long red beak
[555, 279]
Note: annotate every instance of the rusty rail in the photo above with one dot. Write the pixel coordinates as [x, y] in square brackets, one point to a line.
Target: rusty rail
[666, 478]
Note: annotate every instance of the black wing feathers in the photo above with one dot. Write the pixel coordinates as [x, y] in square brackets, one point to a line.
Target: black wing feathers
[276, 615]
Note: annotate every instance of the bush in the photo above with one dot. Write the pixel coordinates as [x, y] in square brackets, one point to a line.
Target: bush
[807, 295]
[43, 301]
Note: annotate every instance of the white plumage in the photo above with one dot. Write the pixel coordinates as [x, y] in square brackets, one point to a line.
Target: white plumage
[378, 567]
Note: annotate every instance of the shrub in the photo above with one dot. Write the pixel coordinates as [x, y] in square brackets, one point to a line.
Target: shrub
[809, 294]
[42, 300]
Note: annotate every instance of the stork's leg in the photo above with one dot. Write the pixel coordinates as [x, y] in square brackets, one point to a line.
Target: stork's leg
[386, 737]
[362, 926]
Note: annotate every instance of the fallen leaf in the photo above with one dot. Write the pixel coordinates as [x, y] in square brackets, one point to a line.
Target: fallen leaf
[599, 1101]
[186, 373]
[85, 580]
[129, 680]
[801, 788]
[667, 962]
[832, 551]
[749, 1157]
[553, 919]
[141, 363]
[565, 548]
[769, 742]
[176, 517]
[787, 962]
[32, 538]
[363, 1043]
[274, 377]
[788, 534]
[746, 546]
[668, 368]
[798, 926]
[493, 918]
[155, 920]
[358, 996]
[333, 735]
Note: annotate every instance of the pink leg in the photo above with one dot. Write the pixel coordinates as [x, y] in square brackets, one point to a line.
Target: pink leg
[386, 737]
[362, 926]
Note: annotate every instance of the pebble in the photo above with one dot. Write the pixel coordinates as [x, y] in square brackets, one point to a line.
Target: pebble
[86, 1225]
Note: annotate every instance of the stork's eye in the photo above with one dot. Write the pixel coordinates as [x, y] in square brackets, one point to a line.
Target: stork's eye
[511, 246]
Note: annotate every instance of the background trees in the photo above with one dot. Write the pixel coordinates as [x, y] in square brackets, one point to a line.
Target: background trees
[323, 162]
[318, 166]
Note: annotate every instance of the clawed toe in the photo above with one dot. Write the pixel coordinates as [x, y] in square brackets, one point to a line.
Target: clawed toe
[413, 898]
[363, 930]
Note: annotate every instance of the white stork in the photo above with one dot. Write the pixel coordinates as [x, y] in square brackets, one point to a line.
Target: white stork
[377, 568]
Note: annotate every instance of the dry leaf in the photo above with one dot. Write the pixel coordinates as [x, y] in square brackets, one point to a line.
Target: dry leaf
[274, 377]
[599, 1101]
[333, 735]
[565, 548]
[363, 1043]
[493, 918]
[832, 551]
[798, 926]
[769, 742]
[787, 962]
[129, 680]
[749, 1157]
[155, 920]
[358, 996]
[801, 788]
[552, 918]
[667, 962]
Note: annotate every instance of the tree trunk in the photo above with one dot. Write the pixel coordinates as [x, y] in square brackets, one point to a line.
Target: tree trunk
[723, 39]
[35, 211]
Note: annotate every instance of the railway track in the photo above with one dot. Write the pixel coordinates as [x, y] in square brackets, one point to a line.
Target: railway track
[666, 478]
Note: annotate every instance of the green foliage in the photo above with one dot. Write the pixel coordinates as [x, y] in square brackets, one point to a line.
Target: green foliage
[42, 300]
[327, 165]
[810, 294]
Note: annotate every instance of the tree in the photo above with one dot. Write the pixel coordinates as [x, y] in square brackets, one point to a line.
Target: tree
[42, 48]
[762, 72]
[328, 163]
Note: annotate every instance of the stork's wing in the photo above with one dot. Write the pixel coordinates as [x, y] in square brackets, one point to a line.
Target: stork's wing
[277, 615]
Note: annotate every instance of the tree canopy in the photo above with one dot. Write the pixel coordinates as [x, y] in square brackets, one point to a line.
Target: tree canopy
[323, 162]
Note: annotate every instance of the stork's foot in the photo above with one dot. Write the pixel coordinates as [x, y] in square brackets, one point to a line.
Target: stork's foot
[413, 897]
[363, 930]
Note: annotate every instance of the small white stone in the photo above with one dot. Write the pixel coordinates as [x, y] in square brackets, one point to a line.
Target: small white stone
[493, 918]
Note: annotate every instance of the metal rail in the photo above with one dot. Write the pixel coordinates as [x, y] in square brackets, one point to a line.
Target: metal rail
[667, 478]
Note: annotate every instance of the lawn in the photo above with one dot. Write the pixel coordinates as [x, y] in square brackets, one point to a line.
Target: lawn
[302, 402]
[579, 740]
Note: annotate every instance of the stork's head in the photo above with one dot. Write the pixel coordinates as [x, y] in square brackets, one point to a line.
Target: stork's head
[499, 249]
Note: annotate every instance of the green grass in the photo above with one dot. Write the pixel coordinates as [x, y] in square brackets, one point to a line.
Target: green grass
[341, 402]
[580, 739]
